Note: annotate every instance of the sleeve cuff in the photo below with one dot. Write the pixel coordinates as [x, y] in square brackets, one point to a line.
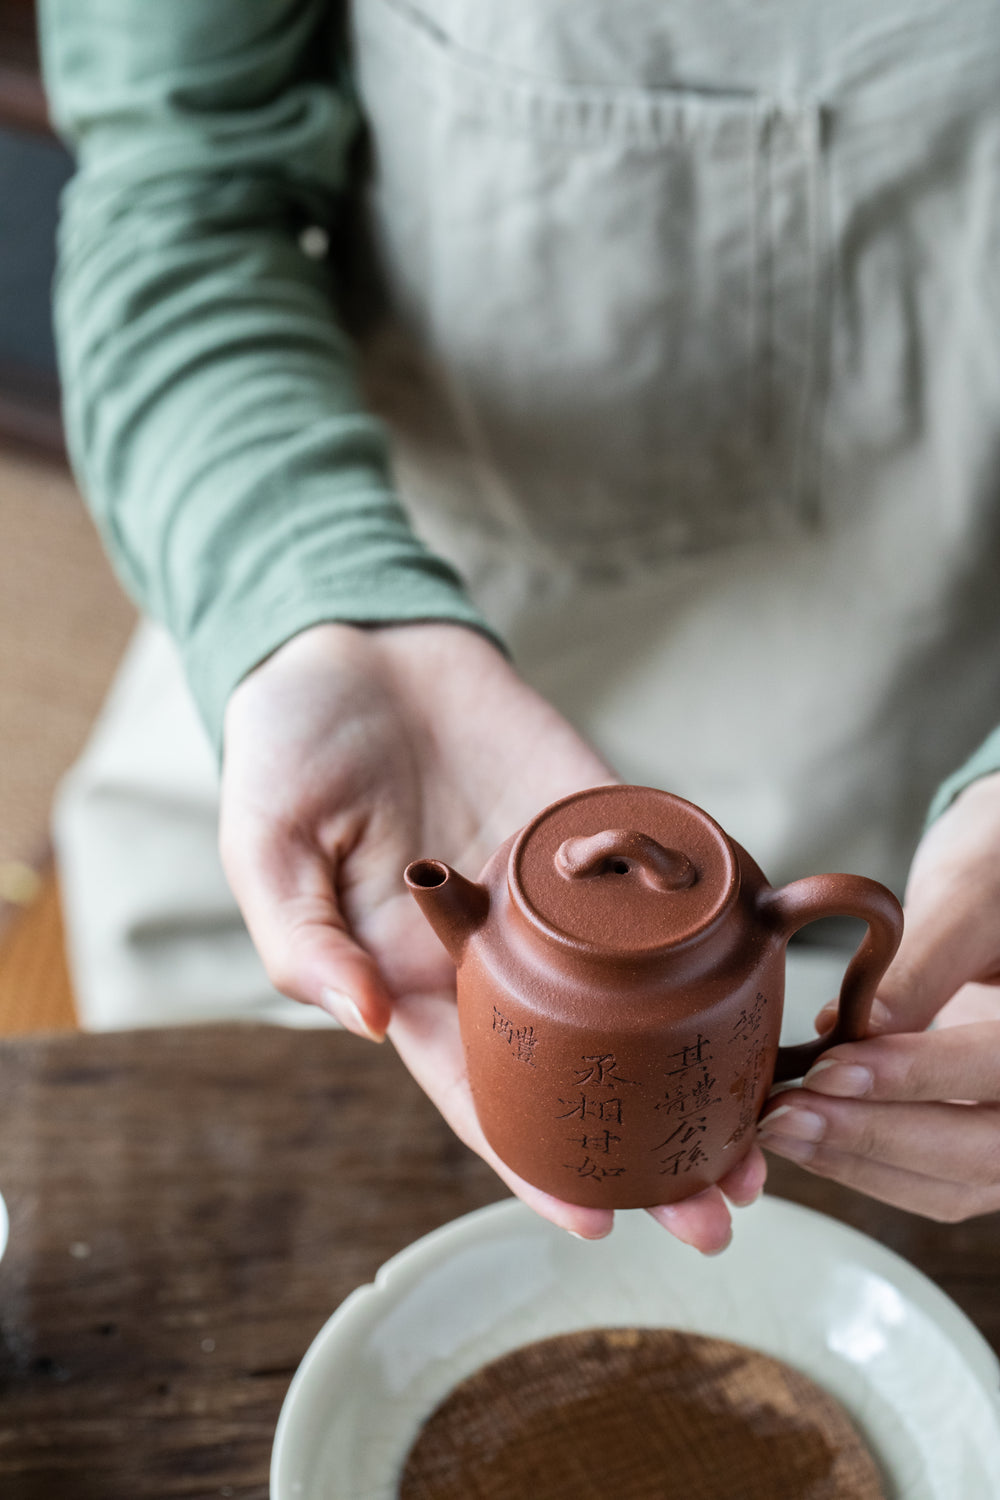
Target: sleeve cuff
[214, 669]
[984, 762]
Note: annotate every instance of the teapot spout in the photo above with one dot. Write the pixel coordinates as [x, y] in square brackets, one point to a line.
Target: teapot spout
[455, 907]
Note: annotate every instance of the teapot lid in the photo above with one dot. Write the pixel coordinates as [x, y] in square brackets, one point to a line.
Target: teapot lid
[622, 869]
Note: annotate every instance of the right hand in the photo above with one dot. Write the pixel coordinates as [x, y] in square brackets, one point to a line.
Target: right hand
[352, 751]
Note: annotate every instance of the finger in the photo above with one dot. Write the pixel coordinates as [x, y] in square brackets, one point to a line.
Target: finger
[958, 1062]
[950, 935]
[973, 1002]
[934, 960]
[424, 1031]
[948, 1202]
[701, 1221]
[954, 1142]
[745, 1183]
[287, 894]
[880, 1018]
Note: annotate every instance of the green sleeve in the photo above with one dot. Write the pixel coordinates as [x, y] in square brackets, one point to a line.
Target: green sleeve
[983, 762]
[211, 408]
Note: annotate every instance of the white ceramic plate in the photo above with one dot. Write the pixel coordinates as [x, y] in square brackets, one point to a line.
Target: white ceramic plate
[916, 1376]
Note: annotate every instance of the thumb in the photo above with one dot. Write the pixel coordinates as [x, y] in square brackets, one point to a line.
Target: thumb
[936, 957]
[288, 896]
[950, 938]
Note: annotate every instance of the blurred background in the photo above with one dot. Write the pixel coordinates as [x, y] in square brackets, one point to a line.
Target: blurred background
[64, 621]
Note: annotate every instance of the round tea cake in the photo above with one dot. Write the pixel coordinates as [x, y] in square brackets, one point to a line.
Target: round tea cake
[639, 1414]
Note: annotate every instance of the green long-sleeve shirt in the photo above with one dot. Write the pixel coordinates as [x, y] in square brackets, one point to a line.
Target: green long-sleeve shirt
[211, 409]
[212, 413]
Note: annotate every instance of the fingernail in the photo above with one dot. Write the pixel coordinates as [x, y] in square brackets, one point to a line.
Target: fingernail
[786, 1145]
[663, 1213]
[880, 1016]
[666, 1215]
[343, 1009]
[847, 1080]
[588, 1238]
[792, 1122]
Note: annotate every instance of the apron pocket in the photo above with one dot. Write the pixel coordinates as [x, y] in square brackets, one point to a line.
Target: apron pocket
[613, 293]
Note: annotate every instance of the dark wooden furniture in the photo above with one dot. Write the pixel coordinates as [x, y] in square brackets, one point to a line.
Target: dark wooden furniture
[29, 396]
[189, 1206]
[22, 98]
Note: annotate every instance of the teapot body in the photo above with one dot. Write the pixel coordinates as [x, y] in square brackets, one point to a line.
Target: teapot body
[622, 1090]
[620, 988]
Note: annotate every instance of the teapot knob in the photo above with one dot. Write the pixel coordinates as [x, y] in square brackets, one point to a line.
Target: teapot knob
[620, 851]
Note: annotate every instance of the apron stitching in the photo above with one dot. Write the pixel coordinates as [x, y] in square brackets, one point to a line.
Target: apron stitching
[652, 116]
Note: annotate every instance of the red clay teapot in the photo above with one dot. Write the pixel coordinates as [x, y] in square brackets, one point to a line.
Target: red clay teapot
[620, 984]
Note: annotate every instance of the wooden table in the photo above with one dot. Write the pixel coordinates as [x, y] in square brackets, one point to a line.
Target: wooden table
[189, 1206]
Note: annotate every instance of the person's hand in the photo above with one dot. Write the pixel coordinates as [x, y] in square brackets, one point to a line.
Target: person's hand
[912, 1116]
[350, 752]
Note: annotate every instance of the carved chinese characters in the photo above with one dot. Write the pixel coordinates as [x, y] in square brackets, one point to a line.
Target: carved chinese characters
[521, 1039]
[599, 1106]
[685, 1106]
[610, 1116]
[749, 1032]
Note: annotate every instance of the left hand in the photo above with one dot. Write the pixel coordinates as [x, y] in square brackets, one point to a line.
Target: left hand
[351, 751]
[913, 1116]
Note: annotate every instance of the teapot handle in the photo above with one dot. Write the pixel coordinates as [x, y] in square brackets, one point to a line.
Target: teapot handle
[793, 906]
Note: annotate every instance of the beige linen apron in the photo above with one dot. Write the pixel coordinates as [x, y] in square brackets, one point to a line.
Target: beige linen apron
[690, 343]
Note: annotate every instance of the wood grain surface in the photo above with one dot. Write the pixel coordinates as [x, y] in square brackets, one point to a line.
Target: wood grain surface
[187, 1209]
[64, 623]
[36, 993]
